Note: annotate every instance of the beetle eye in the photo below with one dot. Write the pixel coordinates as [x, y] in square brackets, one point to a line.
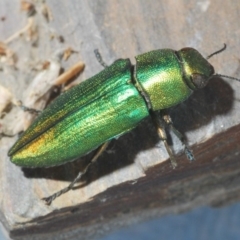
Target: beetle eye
[199, 80]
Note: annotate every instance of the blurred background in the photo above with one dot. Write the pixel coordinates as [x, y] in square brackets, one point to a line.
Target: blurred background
[204, 223]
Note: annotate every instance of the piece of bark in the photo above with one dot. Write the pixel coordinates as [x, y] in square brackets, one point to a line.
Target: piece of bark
[132, 181]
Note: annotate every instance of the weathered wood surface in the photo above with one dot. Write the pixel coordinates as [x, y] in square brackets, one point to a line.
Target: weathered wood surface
[132, 182]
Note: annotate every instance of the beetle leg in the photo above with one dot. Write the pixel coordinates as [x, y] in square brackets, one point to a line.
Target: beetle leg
[167, 119]
[6, 135]
[31, 110]
[160, 126]
[27, 109]
[48, 200]
[99, 58]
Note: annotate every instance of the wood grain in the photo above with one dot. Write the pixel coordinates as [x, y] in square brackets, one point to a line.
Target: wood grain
[132, 181]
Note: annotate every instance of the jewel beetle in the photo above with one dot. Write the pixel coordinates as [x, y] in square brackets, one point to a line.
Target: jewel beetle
[110, 104]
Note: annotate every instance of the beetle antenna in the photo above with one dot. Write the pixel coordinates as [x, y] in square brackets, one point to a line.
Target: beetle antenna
[233, 78]
[221, 50]
[99, 58]
[220, 75]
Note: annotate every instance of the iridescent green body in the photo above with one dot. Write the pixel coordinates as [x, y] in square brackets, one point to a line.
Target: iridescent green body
[110, 104]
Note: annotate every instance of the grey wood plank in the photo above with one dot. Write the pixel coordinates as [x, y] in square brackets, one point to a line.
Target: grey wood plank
[134, 182]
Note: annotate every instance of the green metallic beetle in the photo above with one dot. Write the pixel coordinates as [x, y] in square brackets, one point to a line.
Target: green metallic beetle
[110, 104]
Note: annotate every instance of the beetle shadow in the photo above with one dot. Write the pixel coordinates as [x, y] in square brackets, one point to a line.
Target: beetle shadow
[215, 99]
[205, 104]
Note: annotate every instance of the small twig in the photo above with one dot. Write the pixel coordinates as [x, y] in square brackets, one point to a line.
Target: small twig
[70, 73]
[20, 32]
